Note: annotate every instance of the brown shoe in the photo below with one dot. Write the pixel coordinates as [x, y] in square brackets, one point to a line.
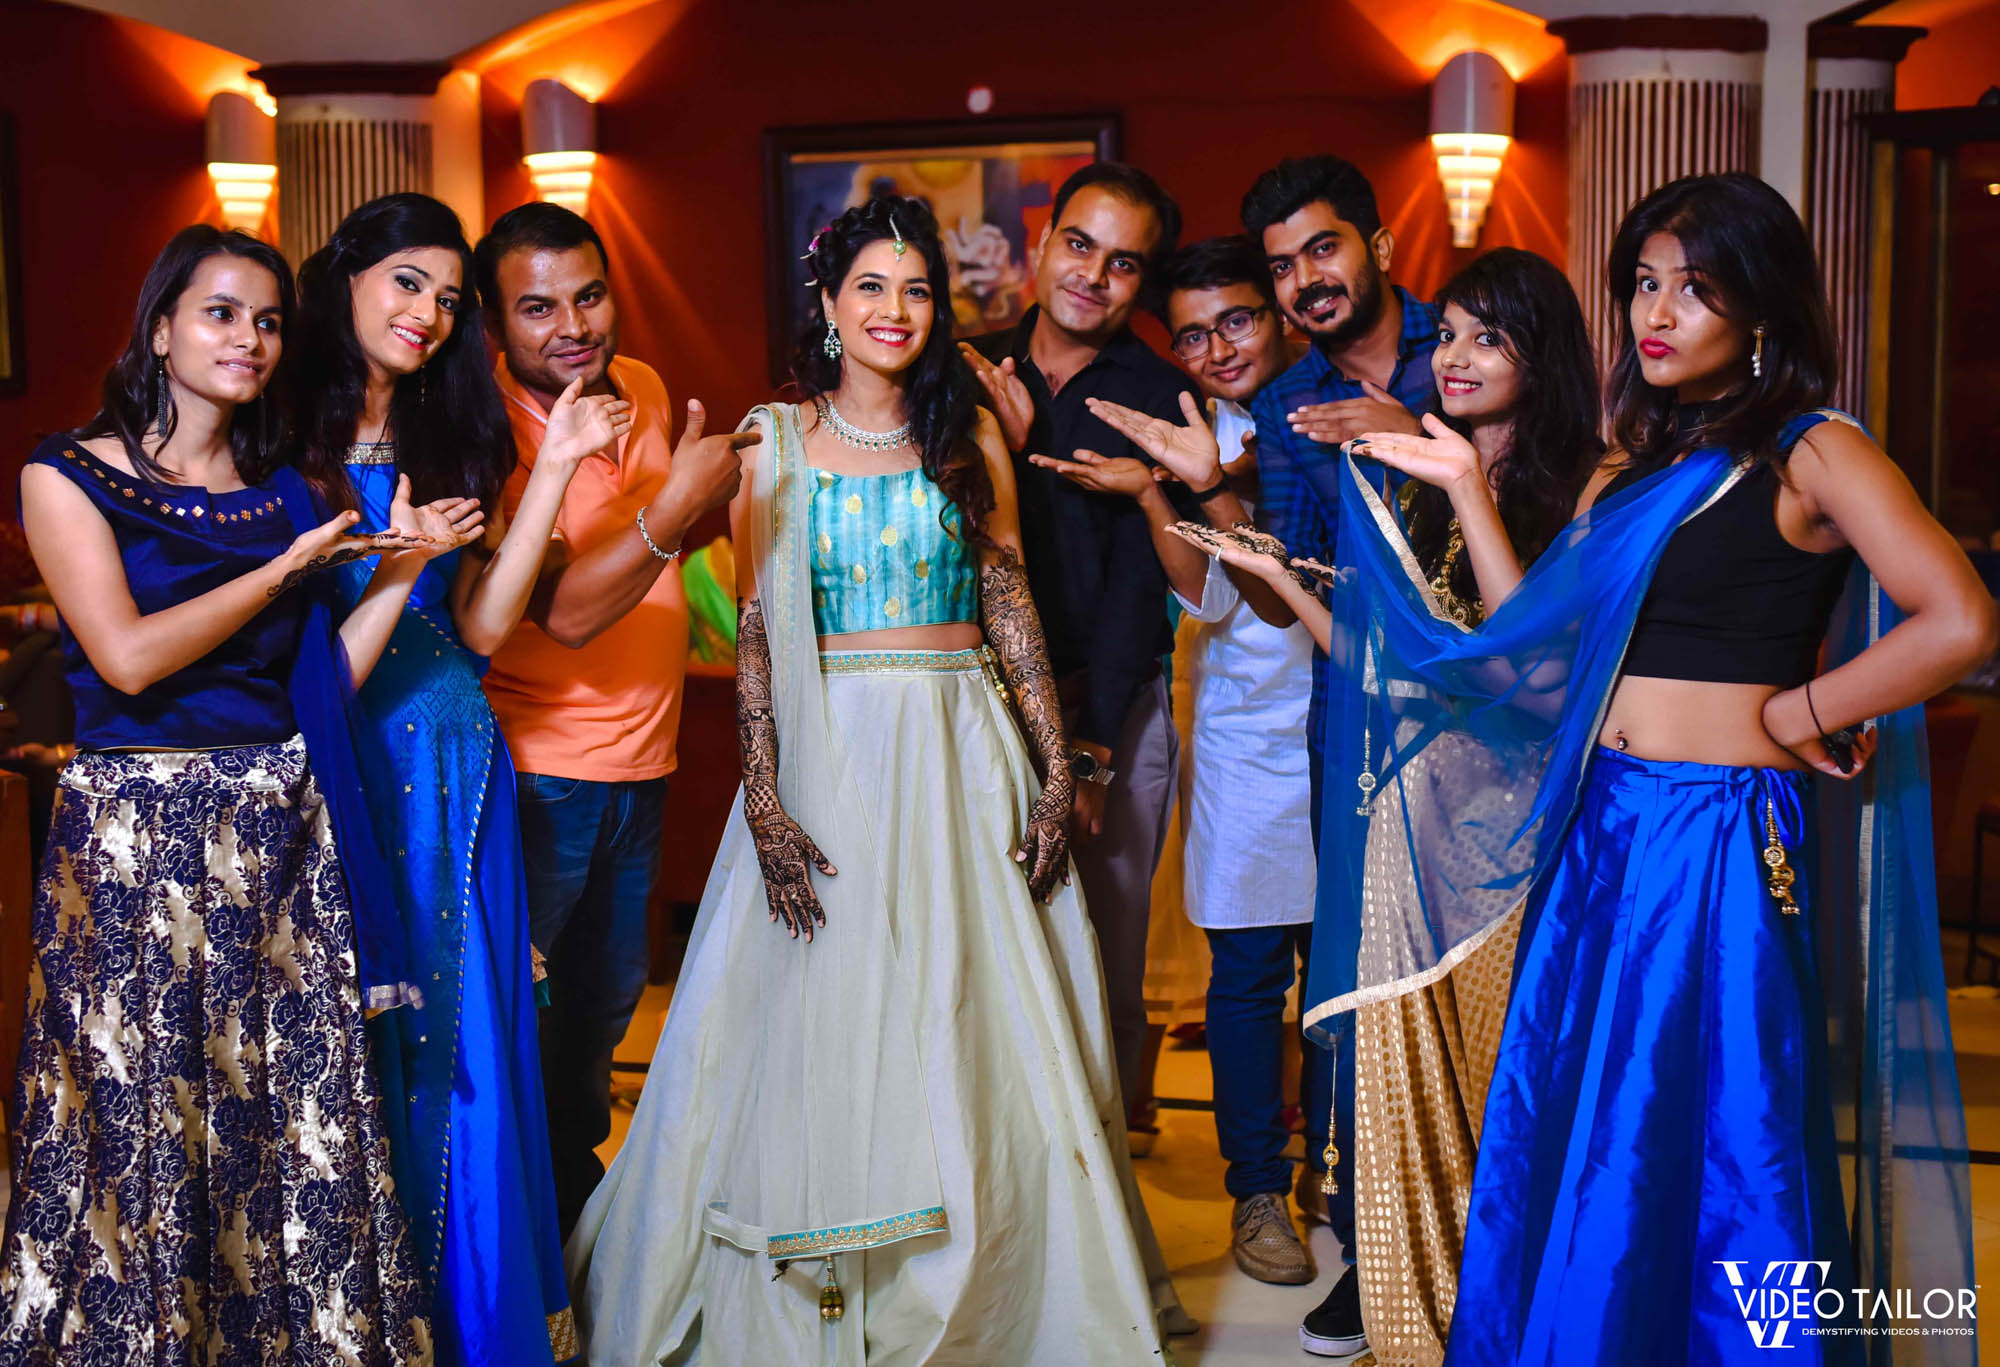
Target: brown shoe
[1142, 1128]
[1311, 1196]
[1264, 1243]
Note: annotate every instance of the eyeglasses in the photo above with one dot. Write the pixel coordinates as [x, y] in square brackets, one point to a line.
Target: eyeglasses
[1235, 326]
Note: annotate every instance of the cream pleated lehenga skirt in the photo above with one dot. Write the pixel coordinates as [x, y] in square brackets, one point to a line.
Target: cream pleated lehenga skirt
[915, 1118]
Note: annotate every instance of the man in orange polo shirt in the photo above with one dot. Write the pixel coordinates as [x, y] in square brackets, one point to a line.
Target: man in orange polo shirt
[588, 688]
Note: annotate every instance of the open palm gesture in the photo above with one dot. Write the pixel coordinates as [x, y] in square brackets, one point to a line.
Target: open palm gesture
[1245, 548]
[1188, 452]
[1443, 458]
[445, 523]
[581, 423]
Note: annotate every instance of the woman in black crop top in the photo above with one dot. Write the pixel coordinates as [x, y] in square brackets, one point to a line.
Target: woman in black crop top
[1659, 1128]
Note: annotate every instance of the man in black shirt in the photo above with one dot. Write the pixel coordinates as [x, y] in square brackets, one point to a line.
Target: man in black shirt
[1096, 579]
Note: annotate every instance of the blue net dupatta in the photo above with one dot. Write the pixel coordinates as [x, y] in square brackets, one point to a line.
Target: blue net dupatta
[1454, 760]
[323, 702]
[1454, 756]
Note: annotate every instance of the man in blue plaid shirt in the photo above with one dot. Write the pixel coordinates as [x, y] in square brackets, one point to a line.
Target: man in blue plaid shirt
[1369, 370]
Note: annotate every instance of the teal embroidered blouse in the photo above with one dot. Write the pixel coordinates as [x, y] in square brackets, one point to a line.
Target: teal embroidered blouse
[887, 552]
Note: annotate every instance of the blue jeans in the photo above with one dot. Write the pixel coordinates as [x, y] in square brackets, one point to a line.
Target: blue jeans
[1250, 971]
[592, 850]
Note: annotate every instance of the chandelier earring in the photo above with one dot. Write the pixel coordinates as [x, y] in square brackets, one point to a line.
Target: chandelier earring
[161, 396]
[831, 346]
[1757, 353]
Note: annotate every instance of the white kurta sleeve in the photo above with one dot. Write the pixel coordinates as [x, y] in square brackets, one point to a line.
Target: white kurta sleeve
[1219, 596]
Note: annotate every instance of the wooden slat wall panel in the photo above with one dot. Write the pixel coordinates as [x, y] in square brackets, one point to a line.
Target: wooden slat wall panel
[328, 167]
[1837, 213]
[1627, 138]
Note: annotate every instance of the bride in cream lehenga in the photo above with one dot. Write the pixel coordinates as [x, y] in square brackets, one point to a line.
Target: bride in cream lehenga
[893, 1136]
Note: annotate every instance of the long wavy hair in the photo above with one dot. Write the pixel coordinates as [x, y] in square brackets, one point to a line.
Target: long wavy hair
[1752, 263]
[939, 401]
[1555, 443]
[447, 419]
[135, 406]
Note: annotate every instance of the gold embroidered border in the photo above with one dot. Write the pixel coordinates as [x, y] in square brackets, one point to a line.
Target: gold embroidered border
[1393, 534]
[814, 1243]
[1402, 987]
[562, 1335]
[901, 661]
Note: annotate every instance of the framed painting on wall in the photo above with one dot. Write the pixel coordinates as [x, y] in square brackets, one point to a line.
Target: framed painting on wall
[991, 183]
[13, 375]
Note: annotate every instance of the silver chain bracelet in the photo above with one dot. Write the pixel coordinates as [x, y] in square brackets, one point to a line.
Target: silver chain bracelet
[653, 546]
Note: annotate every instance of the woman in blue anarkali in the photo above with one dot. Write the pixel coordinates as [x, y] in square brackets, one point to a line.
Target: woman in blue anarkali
[400, 395]
[1725, 1115]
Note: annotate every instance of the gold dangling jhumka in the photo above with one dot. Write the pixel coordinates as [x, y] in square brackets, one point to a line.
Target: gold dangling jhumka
[832, 1305]
[1327, 1184]
[1365, 780]
[1778, 875]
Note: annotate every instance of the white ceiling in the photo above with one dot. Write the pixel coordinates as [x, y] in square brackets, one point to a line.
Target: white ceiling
[277, 31]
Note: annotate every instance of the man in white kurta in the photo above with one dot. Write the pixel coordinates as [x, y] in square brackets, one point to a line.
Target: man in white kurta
[1249, 850]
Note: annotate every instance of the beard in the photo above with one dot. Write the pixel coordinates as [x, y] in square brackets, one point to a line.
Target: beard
[1369, 295]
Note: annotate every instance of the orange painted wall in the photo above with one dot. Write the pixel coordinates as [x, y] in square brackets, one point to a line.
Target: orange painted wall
[108, 140]
[689, 85]
[1956, 62]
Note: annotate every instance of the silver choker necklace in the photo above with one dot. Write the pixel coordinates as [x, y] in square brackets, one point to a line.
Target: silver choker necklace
[846, 431]
[372, 453]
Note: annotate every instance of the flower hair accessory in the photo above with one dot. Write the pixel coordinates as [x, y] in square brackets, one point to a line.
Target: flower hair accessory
[813, 245]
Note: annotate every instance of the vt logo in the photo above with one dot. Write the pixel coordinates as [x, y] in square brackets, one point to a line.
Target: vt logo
[1776, 1300]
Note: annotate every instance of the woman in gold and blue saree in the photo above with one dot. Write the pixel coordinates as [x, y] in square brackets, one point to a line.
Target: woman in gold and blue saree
[1728, 994]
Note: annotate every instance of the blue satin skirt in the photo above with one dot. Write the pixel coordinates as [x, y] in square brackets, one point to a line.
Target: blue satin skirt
[1659, 1126]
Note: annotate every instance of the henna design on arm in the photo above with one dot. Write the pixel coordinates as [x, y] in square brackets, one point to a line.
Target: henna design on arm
[785, 853]
[323, 561]
[345, 550]
[1015, 632]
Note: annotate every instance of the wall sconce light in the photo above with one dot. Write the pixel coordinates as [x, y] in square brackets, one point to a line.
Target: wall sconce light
[1472, 125]
[559, 142]
[242, 142]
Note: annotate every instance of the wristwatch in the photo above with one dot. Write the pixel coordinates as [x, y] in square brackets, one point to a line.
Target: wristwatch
[1083, 767]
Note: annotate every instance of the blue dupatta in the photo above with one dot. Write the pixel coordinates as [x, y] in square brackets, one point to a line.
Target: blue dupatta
[323, 701]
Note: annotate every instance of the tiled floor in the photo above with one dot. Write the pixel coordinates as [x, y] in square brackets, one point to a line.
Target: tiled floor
[1244, 1322]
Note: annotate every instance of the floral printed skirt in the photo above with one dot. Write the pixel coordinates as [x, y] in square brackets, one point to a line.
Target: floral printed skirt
[200, 1173]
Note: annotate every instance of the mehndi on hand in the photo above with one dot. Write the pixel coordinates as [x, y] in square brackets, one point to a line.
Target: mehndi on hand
[1044, 850]
[787, 856]
[1244, 546]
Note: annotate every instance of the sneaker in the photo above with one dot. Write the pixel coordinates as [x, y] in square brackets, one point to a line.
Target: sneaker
[1265, 1245]
[1334, 1330]
[1311, 1196]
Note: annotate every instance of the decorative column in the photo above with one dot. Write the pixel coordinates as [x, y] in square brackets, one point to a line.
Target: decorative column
[1853, 74]
[348, 132]
[1652, 98]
